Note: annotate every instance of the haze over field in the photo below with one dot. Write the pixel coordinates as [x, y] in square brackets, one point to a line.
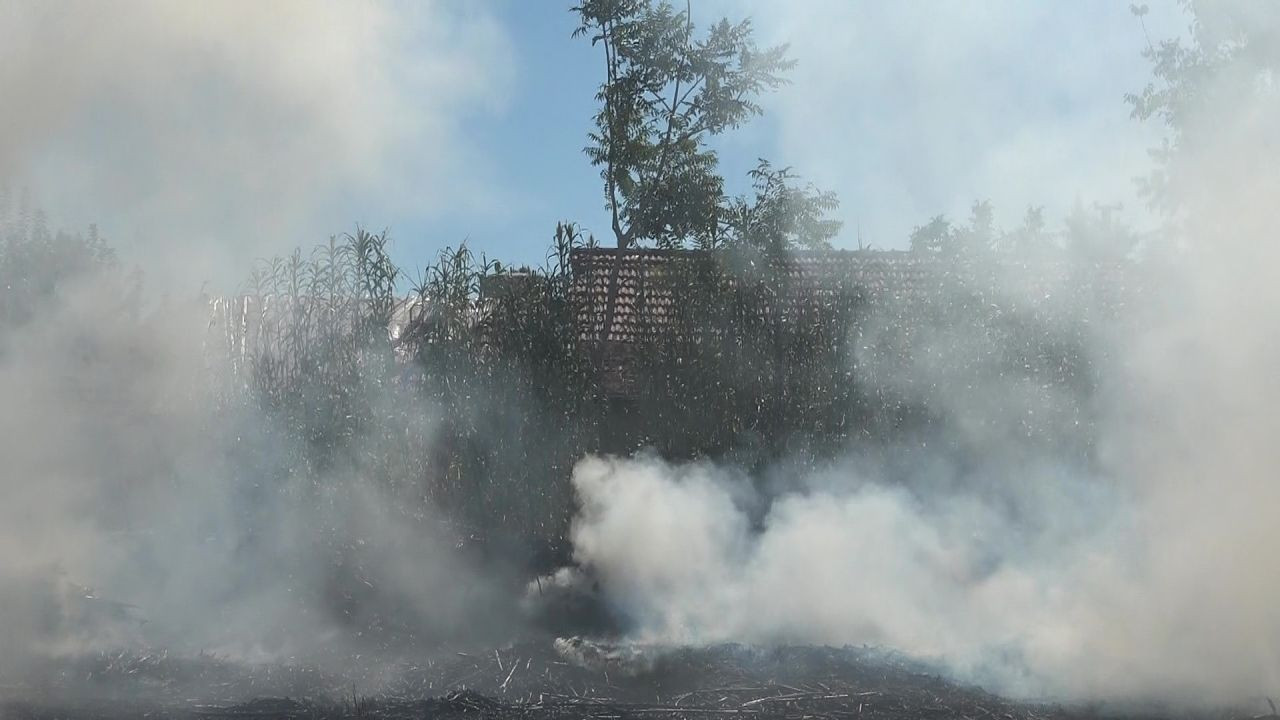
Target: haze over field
[1084, 511]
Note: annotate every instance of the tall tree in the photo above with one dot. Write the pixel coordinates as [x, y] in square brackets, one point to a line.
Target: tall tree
[664, 95]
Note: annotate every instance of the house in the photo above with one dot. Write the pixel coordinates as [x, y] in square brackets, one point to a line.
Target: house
[627, 296]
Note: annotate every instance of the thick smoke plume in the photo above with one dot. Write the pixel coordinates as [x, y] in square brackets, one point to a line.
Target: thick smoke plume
[148, 502]
[1142, 572]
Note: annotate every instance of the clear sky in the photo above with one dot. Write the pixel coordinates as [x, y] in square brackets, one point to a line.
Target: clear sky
[202, 136]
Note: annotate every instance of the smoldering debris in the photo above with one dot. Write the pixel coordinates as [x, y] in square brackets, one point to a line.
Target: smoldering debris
[541, 680]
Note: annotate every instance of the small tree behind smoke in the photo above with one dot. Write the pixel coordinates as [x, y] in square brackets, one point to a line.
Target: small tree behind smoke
[37, 262]
[781, 216]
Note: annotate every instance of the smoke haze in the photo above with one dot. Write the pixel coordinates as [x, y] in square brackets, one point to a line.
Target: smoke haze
[149, 502]
[148, 505]
[242, 128]
[1144, 573]
[137, 509]
[1020, 103]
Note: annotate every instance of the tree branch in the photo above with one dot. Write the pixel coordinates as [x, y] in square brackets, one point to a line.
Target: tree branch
[611, 184]
[663, 164]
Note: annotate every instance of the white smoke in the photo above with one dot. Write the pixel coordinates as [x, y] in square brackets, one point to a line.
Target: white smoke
[203, 137]
[1143, 574]
[1147, 575]
[151, 502]
[858, 562]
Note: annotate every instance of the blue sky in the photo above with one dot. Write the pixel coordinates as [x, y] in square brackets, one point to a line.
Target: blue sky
[906, 110]
[537, 135]
[202, 136]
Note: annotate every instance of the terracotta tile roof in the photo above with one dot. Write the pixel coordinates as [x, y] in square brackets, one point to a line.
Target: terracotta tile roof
[648, 282]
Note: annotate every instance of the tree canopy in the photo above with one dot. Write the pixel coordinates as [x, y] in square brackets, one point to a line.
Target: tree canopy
[665, 94]
[1217, 92]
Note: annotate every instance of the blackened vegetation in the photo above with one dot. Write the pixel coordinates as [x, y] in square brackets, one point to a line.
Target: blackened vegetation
[532, 681]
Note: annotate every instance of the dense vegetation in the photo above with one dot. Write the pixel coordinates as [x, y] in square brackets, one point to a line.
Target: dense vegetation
[484, 393]
[489, 393]
[466, 391]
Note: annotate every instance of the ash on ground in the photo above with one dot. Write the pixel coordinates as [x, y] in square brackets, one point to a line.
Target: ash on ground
[570, 677]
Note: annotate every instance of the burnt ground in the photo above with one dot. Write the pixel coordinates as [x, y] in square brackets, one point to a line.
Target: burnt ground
[530, 681]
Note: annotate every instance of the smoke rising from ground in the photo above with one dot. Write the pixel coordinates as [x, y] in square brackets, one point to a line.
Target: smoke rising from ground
[150, 503]
[142, 507]
[1143, 575]
[1143, 572]
[148, 500]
